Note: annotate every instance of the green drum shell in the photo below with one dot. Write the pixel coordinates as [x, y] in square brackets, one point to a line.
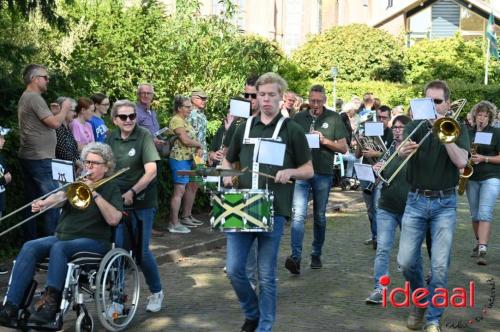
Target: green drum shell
[242, 219]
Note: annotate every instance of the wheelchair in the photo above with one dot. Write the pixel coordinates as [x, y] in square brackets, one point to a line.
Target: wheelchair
[109, 283]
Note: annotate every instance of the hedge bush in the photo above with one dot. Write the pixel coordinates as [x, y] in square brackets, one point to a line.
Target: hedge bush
[360, 52]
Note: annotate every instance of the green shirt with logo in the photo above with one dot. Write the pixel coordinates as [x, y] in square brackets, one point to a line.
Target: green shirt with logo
[332, 127]
[135, 151]
[484, 171]
[89, 223]
[430, 168]
[297, 153]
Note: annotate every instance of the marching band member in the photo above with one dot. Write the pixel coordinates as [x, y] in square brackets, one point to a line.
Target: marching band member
[328, 125]
[133, 147]
[433, 174]
[87, 230]
[484, 184]
[391, 207]
[260, 310]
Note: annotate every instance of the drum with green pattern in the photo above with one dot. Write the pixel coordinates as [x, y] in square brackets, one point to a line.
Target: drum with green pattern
[243, 210]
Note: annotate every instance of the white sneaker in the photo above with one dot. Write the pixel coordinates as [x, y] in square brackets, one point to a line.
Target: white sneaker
[114, 311]
[155, 301]
[188, 222]
[193, 220]
[178, 229]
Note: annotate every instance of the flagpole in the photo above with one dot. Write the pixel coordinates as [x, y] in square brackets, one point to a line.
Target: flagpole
[487, 62]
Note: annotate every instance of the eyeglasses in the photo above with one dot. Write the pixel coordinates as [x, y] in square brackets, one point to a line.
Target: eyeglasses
[382, 117]
[45, 77]
[437, 101]
[202, 98]
[248, 95]
[398, 128]
[104, 104]
[93, 162]
[317, 102]
[187, 106]
[124, 117]
[146, 93]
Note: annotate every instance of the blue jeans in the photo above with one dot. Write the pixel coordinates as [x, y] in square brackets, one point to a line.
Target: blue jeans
[37, 179]
[482, 196]
[320, 186]
[371, 202]
[59, 252]
[252, 264]
[421, 213]
[387, 222]
[262, 308]
[148, 264]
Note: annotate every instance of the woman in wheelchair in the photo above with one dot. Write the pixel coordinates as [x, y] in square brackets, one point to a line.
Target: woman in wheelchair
[78, 230]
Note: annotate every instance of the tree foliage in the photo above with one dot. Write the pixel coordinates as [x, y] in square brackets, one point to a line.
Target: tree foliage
[361, 53]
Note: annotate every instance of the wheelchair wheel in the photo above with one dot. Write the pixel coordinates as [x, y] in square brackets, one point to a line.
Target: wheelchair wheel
[84, 323]
[117, 290]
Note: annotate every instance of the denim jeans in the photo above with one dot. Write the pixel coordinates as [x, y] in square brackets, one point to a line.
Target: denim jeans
[350, 159]
[59, 252]
[320, 186]
[37, 179]
[387, 222]
[371, 202]
[148, 264]
[263, 307]
[482, 196]
[252, 264]
[421, 213]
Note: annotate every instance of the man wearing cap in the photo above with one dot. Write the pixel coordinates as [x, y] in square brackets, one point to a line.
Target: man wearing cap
[37, 124]
[198, 121]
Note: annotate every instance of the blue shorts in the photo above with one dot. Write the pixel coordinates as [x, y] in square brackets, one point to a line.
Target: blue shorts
[180, 165]
[482, 196]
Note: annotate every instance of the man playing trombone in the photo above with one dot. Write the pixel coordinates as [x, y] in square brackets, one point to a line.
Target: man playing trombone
[433, 173]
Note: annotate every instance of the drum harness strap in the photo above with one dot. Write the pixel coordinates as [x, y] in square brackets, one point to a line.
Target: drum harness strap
[256, 141]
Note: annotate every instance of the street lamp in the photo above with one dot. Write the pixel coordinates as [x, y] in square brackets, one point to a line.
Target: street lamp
[334, 72]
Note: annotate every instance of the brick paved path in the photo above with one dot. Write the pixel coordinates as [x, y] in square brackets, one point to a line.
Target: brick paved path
[200, 298]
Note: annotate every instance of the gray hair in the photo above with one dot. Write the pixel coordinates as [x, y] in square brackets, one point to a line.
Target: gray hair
[61, 100]
[31, 71]
[179, 101]
[102, 150]
[348, 107]
[119, 104]
[485, 106]
[144, 84]
[270, 78]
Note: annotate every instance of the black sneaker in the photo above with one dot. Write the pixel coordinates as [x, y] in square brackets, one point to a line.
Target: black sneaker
[8, 314]
[316, 262]
[292, 265]
[250, 325]
[3, 270]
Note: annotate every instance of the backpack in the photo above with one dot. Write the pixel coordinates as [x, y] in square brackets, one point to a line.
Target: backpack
[165, 149]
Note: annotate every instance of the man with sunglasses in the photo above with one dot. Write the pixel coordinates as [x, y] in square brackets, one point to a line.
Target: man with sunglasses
[37, 124]
[329, 127]
[433, 174]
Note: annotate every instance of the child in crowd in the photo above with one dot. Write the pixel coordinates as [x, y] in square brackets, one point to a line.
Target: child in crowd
[5, 179]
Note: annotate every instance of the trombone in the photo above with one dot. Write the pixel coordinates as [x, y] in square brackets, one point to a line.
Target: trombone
[79, 195]
[446, 129]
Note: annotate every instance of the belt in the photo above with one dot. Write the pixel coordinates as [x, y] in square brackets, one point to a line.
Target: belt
[434, 193]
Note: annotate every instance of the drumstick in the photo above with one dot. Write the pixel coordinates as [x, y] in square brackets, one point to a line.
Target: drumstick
[265, 175]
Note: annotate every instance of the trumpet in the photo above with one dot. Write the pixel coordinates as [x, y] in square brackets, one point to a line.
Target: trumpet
[446, 129]
[468, 171]
[79, 195]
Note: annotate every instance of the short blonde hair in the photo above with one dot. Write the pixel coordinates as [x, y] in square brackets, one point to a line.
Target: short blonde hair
[271, 78]
[485, 106]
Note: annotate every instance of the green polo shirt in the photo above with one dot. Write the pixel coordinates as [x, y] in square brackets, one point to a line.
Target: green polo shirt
[135, 151]
[330, 124]
[231, 130]
[89, 223]
[484, 171]
[430, 167]
[219, 136]
[393, 196]
[297, 153]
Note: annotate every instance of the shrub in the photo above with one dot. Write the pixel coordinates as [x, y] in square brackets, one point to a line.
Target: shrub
[361, 53]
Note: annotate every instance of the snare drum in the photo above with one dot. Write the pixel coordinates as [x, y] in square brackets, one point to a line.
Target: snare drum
[242, 210]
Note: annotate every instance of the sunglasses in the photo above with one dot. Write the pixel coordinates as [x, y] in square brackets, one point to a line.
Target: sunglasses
[437, 101]
[248, 95]
[124, 117]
